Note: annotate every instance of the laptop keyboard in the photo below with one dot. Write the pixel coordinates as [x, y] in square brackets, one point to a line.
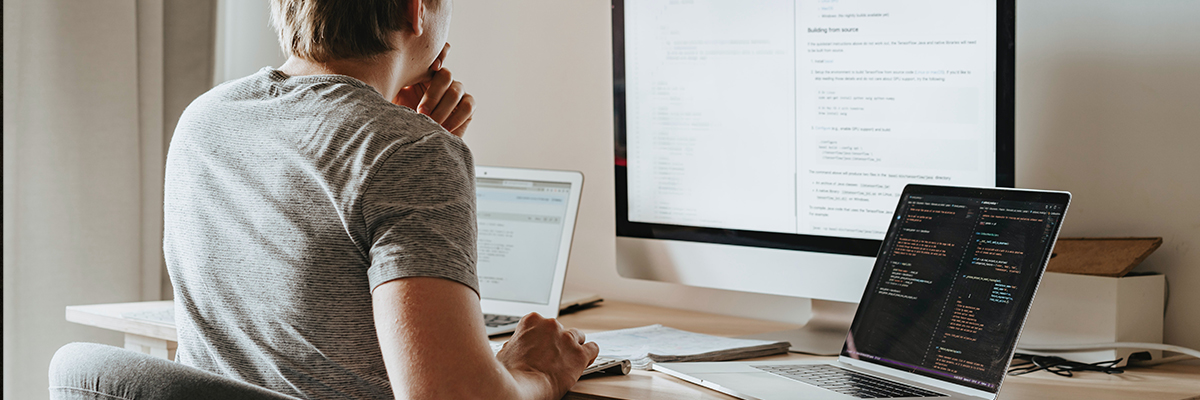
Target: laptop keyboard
[847, 382]
[493, 320]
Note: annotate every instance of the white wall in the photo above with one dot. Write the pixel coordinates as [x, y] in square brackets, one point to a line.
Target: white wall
[1108, 107]
[246, 42]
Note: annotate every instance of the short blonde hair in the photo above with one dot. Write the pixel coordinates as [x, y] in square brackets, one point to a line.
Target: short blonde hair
[324, 30]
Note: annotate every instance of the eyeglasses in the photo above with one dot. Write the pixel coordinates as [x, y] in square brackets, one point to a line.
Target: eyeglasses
[1025, 363]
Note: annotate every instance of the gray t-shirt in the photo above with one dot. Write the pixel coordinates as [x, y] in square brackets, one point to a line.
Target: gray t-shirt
[288, 200]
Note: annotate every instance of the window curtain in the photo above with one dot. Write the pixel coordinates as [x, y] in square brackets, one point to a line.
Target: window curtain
[92, 90]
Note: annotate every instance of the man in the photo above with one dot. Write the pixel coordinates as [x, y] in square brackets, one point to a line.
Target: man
[320, 233]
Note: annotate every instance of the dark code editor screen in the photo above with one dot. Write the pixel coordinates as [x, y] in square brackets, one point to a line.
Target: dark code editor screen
[951, 285]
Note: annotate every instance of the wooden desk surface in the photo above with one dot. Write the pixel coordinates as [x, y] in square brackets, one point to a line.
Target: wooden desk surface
[1171, 381]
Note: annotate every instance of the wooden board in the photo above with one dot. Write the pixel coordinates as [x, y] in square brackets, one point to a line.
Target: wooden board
[1113, 257]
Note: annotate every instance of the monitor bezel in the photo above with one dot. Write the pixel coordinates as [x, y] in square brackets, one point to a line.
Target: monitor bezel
[1005, 162]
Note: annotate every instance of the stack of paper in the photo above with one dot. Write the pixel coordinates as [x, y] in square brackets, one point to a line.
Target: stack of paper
[647, 345]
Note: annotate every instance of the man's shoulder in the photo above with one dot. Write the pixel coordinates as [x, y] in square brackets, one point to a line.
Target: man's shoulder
[338, 123]
[370, 133]
[377, 130]
[332, 101]
[385, 122]
[360, 114]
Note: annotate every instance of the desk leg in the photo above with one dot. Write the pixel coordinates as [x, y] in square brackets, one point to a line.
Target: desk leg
[156, 347]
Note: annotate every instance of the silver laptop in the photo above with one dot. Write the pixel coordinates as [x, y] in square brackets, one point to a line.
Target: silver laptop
[526, 220]
[942, 311]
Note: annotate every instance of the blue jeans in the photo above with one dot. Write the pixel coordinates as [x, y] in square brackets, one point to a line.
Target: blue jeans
[98, 372]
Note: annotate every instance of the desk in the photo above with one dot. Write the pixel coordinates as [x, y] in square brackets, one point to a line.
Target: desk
[159, 340]
[1171, 381]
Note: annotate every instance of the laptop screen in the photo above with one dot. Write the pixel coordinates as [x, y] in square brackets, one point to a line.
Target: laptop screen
[520, 233]
[953, 282]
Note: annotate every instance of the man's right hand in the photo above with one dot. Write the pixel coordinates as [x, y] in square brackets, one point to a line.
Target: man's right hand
[440, 97]
[543, 347]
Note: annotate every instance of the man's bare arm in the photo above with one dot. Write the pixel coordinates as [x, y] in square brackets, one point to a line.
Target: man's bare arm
[435, 346]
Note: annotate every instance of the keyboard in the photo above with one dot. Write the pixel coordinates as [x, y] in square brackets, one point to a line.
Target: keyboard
[602, 365]
[847, 382]
[494, 320]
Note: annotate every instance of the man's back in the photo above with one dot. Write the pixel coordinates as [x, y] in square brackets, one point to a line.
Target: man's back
[287, 201]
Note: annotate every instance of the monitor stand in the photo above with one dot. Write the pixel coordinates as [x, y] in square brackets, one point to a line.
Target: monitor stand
[825, 332]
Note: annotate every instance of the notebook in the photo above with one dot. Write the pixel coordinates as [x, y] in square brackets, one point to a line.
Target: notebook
[646, 345]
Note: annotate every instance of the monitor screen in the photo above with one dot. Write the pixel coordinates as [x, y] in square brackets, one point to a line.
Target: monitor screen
[796, 124]
[953, 283]
[520, 234]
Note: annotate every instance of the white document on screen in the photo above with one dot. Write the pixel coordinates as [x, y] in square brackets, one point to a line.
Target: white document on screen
[520, 233]
[804, 117]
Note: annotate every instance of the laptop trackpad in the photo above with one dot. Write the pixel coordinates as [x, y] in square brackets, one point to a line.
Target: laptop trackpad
[762, 385]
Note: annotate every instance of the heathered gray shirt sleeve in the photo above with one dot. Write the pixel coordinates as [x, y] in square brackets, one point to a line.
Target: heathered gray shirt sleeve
[427, 232]
[287, 201]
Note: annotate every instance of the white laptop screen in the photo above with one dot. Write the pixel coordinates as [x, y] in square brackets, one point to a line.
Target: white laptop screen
[952, 285]
[520, 232]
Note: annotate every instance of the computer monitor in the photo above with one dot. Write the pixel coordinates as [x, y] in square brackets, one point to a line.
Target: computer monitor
[762, 146]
